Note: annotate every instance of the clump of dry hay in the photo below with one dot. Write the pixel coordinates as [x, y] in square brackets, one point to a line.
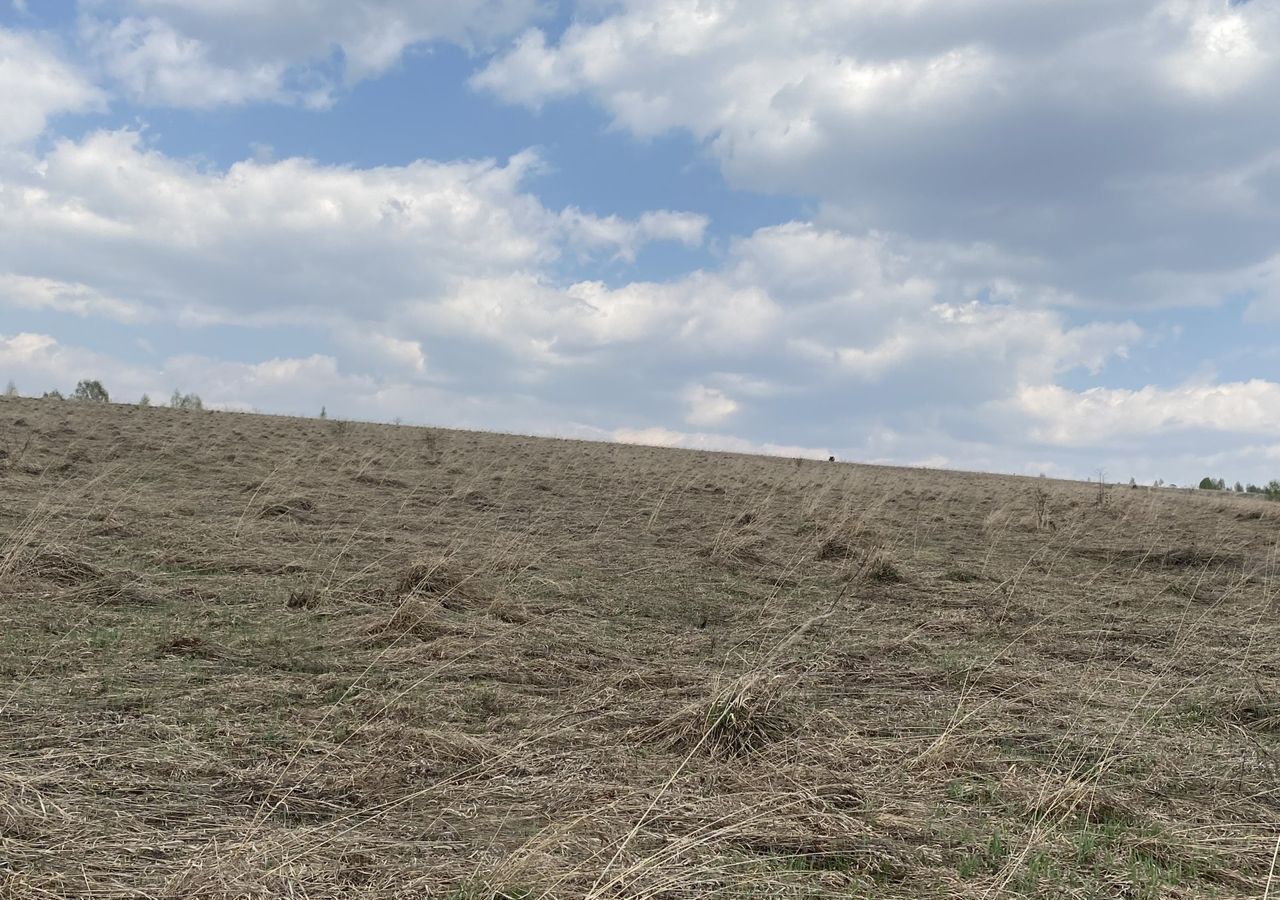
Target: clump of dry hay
[740, 718]
[428, 579]
[294, 508]
[189, 645]
[81, 579]
[423, 619]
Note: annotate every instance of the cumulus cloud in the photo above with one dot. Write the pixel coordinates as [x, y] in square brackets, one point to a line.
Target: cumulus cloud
[625, 237]
[701, 313]
[279, 241]
[1100, 415]
[153, 63]
[199, 53]
[1036, 130]
[25, 292]
[36, 84]
[708, 405]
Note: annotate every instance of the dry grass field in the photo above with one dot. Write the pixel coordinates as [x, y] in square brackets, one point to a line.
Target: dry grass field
[249, 656]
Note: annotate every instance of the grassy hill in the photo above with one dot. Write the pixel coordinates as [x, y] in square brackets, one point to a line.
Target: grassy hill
[248, 656]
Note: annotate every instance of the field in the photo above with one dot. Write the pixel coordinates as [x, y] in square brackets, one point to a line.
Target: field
[249, 656]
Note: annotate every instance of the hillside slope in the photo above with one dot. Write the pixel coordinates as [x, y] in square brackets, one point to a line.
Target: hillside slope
[248, 656]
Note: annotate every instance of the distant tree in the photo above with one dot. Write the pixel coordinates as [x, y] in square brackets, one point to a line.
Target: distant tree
[1239, 488]
[92, 391]
[1212, 484]
[323, 414]
[1133, 482]
[144, 400]
[52, 395]
[11, 390]
[180, 400]
[1272, 490]
[1253, 489]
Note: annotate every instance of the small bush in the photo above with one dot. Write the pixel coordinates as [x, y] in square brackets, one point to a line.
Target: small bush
[92, 391]
[1212, 484]
[180, 400]
[11, 390]
[144, 400]
[52, 395]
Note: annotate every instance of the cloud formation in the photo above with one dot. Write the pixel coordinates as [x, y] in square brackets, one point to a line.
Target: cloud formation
[110, 218]
[37, 84]
[207, 53]
[1111, 149]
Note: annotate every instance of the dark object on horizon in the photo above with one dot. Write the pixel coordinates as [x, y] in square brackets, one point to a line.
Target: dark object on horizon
[831, 459]
[92, 391]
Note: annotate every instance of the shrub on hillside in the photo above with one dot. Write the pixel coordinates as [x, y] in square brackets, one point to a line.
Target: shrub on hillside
[1213, 484]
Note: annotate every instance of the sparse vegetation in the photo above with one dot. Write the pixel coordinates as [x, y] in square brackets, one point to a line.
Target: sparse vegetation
[249, 656]
[91, 391]
[180, 400]
[11, 390]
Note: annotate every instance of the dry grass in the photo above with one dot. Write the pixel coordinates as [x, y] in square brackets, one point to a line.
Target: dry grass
[252, 657]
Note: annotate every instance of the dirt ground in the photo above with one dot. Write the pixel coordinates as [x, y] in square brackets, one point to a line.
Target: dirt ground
[251, 656]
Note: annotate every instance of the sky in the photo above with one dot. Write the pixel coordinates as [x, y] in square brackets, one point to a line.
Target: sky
[1025, 236]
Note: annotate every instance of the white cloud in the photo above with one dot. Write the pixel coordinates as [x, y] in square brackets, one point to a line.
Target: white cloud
[625, 237]
[1028, 345]
[699, 313]
[1221, 53]
[201, 53]
[39, 362]
[153, 63]
[708, 405]
[36, 84]
[23, 292]
[1101, 415]
[658, 436]
[293, 240]
[1055, 134]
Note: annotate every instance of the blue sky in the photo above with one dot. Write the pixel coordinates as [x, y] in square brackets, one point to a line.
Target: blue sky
[1024, 237]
